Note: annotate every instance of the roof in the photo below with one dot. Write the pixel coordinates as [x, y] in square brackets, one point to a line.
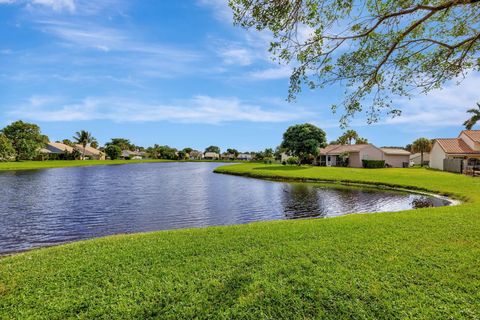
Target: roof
[59, 146]
[472, 134]
[395, 151]
[426, 155]
[455, 146]
[43, 150]
[339, 149]
[88, 150]
[211, 154]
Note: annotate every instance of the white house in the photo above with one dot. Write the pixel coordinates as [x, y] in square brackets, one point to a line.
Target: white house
[245, 156]
[211, 156]
[332, 155]
[466, 147]
[396, 158]
[416, 158]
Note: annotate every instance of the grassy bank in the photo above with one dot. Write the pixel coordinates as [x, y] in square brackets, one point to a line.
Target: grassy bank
[30, 165]
[419, 264]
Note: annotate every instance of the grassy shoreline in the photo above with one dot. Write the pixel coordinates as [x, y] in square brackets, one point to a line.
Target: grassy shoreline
[417, 264]
[49, 164]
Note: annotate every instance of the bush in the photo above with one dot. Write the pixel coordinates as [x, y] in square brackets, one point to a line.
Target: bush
[372, 164]
[113, 151]
[292, 160]
[284, 163]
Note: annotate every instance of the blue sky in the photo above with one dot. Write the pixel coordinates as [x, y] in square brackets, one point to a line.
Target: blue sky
[176, 73]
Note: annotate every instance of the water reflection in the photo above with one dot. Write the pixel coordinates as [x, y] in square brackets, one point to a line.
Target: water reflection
[45, 207]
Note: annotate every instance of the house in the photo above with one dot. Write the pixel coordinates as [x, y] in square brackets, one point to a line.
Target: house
[134, 155]
[196, 155]
[349, 155]
[245, 157]
[57, 148]
[283, 157]
[415, 158]
[90, 152]
[396, 157]
[211, 156]
[228, 156]
[466, 147]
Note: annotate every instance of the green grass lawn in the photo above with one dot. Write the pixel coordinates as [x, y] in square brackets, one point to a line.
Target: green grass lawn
[30, 165]
[418, 264]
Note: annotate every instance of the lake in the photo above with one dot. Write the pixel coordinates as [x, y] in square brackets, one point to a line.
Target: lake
[51, 206]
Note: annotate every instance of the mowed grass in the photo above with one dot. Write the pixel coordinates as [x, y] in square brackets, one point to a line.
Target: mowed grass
[30, 165]
[421, 264]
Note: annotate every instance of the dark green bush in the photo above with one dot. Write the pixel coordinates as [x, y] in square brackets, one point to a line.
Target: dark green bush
[372, 164]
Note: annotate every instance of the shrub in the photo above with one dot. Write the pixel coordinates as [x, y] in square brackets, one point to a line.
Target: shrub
[284, 163]
[113, 151]
[372, 164]
[292, 160]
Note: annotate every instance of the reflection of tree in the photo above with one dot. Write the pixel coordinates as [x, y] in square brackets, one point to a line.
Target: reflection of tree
[301, 201]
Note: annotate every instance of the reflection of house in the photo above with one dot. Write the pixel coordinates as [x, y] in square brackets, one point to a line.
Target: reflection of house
[211, 156]
[245, 157]
[416, 158]
[350, 155]
[90, 152]
[460, 151]
[396, 158]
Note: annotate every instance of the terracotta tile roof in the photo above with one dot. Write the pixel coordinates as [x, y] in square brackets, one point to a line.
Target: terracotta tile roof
[395, 151]
[472, 134]
[335, 149]
[455, 146]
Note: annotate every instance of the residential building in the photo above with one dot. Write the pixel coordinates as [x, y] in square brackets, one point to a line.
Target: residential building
[245, 157]
[349, 155]
[58, 148]
[396, 157]
[90, 152]
[416, 158]
[211, 156]
[465, 147]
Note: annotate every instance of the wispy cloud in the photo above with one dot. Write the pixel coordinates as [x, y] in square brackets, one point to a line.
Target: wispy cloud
[280, 72]
[443, 107]
[199, 109]
[56, 5]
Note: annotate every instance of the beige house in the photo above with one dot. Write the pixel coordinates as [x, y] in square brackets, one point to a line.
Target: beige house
[211, 156]
[91, 153]
[416, 158]
[396, 158]
[466, 147]
[333, 155]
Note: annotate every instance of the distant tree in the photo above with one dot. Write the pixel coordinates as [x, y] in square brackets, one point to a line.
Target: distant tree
[124, 144]
[302, 140]
[83, 138]
[25, 138]
[268, 153]
[68, 142]
[474, 118]
[187, 150]
[182, 155]
[408, 147]
[94, 143]
[7, 152]
[213, 149]
[422, 145]
[113, 151]
[361, 140]
[162, 152]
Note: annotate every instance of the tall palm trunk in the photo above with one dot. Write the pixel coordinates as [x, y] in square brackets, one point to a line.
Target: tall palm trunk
[421, 158]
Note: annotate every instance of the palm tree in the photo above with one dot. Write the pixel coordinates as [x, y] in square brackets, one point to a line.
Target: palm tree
[83, 138]
[422, 145]
[474, 119]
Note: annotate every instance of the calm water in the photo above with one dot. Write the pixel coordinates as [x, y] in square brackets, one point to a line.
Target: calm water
[45, 207]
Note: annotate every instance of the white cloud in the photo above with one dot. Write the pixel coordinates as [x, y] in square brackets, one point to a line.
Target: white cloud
[236, 56]
[445, 107]
[56, 5]
[221, 10]
[199, 109]
[280, 72]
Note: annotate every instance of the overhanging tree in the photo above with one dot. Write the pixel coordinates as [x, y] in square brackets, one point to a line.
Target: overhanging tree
[379, 49]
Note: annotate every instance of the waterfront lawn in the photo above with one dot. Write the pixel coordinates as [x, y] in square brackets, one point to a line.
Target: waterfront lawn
[29, 165]
[421, 264]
